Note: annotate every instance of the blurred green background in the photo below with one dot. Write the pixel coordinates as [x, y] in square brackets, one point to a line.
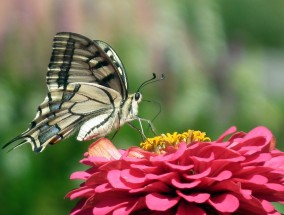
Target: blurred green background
[223, 61]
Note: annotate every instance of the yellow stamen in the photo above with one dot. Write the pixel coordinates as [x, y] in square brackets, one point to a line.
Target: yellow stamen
[158, 144]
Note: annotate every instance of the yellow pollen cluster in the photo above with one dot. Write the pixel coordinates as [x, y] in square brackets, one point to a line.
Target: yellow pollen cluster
[159, 143]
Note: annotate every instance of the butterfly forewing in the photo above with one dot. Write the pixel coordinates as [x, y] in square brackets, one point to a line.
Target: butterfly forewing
[76, 58]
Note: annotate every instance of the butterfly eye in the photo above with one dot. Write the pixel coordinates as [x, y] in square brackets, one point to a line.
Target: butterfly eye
[137, 96]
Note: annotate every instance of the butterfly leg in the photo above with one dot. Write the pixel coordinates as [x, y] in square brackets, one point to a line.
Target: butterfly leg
[141, 132]
[151, 126]
[116, 131]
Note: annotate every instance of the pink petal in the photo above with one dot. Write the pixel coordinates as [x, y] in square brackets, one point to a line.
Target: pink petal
[97, 178]
[184, 185]
[78, 209]
[225, 203]
[158, 202]
[217, 152]
[258, 179]
[79, 175]
[131, 207]
[199, 175]
[277, 187]
[146, 168]
[137, 161]
[246, 171]
[236, 137]
[136, 152]
[80, 192]
[114, 164]
[251, 206]
[253, 144]
[257, 158]
[123, 210]
[166, 177]
[224, 175]
[252, 138]
[259, 131]
[189, 209]
[103, 188]
[133, 176]
[105, 209]
[178, 167]
[94, 161]
[267, 206]
[276, 162]
[154, 187]
[114, 178]
[205, 155]
[104, 148]
[226, 133]
[110, 201]
[195, 197]
[170, 156]
[227, 185]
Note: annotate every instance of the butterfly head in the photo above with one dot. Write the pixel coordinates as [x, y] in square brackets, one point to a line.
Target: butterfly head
[137, 97]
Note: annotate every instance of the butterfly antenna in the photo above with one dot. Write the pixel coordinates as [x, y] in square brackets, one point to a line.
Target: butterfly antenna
[151, 80]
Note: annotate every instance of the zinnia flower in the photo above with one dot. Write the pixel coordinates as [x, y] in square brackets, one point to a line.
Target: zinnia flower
[183, 174]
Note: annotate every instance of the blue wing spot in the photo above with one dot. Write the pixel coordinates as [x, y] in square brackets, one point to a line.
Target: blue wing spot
[48, 133]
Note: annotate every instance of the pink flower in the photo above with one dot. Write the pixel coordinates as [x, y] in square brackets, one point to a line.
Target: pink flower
[241, 175]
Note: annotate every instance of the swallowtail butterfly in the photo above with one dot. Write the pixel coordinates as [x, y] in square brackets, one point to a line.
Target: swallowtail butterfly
[87, 89]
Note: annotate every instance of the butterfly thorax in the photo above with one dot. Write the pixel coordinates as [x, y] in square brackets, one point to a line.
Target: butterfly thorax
[129, 109]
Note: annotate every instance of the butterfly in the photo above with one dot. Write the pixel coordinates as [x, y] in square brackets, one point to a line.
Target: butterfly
[87, 89]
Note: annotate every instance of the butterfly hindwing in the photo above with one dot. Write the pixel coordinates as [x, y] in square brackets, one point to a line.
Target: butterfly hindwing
[63, 111]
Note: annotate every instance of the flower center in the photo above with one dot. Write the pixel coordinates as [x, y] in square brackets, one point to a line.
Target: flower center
[158, 144]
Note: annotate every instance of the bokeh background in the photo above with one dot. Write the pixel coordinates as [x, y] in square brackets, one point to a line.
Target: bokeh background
[223, 61]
